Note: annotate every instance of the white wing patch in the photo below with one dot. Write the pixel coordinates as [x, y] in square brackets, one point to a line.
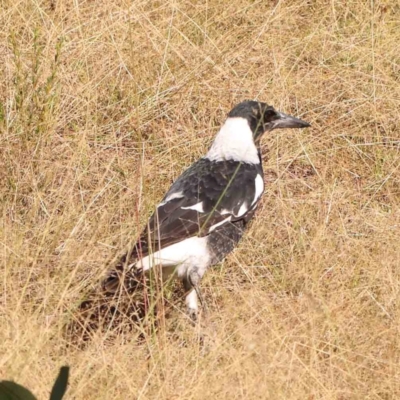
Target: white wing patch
[242, 210]
[259, 182]
[172, 196]
[197, 207]
[213, 227]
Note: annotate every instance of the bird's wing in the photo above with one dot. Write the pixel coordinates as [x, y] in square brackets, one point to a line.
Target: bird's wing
[204, 198]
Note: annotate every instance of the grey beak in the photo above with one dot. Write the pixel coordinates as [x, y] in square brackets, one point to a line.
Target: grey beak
[287, 121]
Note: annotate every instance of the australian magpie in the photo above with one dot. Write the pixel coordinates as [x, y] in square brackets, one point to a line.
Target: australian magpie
[205, 212]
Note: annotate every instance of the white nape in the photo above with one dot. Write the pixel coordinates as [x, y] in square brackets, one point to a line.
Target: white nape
[234, 142]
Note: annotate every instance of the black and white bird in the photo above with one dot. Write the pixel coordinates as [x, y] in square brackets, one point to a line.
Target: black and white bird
[205, 212]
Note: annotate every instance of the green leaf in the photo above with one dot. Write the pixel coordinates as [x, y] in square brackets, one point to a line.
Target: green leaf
[12, 391]
[60, 385]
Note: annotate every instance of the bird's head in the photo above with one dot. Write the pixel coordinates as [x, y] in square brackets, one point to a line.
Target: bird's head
[264, 118]
[239, 136]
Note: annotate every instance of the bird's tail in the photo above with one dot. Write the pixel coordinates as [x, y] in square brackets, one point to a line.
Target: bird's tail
[118, 305]
[110, 314]
[122, 275]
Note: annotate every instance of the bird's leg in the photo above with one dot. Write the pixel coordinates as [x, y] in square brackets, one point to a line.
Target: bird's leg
[191, 300]
[194, 279]
[192, 286]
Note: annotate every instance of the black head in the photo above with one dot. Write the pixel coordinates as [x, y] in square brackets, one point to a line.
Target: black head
[262, 117]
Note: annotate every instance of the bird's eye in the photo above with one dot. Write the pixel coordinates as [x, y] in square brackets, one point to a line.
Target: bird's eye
[270, 115]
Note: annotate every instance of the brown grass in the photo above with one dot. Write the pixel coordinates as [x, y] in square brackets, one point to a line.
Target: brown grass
[104, 103]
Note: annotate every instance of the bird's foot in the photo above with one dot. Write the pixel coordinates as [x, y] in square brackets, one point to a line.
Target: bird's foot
[193, 314]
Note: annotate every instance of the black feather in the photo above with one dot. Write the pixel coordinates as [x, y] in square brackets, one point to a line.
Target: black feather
[221, 186]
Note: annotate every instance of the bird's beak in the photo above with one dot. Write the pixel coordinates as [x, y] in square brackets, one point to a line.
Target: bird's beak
[287, 121]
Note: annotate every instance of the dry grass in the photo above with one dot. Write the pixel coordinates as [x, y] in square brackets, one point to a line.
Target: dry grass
[104, 103]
